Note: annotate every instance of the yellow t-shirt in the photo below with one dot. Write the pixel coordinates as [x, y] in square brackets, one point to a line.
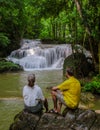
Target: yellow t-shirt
[71, 90]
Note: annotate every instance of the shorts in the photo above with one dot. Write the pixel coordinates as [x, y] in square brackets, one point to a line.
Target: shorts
[60, 97]
[34, 109]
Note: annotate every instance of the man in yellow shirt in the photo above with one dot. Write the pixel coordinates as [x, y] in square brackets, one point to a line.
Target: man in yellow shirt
[67, 93]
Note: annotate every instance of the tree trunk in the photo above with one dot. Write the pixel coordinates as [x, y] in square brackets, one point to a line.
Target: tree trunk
[64, 30]
[53, 28]
[59, 30]
[79, 9]
[56, 29]
[99, 55]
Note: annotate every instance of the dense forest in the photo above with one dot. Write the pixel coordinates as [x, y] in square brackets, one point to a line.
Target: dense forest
[68, 21]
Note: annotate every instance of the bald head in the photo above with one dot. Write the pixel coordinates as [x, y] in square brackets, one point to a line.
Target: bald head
[31, 79]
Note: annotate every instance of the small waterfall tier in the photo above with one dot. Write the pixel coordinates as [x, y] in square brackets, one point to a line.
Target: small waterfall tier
[34, 55]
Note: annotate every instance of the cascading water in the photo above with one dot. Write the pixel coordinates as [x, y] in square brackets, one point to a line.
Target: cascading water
[34, 55]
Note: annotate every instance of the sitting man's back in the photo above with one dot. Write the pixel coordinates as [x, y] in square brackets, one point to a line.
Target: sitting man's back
[67, 93]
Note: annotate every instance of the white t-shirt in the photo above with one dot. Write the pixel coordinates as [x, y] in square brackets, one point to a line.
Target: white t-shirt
[32, 94]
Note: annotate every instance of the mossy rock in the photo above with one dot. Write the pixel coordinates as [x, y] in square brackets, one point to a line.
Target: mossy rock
[82, 65]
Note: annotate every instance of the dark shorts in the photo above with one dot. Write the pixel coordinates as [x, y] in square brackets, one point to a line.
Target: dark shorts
[34, 109]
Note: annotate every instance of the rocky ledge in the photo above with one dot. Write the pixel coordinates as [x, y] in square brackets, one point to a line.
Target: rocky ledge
[78, 119]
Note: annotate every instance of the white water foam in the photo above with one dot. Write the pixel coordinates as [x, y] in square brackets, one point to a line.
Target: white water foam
[36, 56]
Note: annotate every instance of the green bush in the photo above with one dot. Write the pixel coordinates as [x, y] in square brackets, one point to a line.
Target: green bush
[93, 86]
[8, 66]
[4, 41]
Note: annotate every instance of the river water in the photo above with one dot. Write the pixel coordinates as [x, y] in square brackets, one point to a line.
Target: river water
[11, 85]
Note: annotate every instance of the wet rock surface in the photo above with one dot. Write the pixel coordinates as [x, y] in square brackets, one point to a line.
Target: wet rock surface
[78, 119]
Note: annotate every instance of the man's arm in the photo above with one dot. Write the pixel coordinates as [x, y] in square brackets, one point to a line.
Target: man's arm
[55, 88]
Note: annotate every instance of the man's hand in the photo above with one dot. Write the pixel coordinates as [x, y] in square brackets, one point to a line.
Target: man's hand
[54, 88]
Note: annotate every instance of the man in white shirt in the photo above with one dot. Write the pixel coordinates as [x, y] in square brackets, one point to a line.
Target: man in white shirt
[33, 96]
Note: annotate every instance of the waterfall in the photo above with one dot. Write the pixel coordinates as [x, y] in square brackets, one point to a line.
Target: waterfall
[34, 55]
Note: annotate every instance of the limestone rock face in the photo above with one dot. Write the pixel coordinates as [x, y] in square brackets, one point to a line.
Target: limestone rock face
[78, 119]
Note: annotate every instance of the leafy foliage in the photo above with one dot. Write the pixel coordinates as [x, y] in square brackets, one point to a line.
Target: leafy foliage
[93, 86]
[3, 40]
[48, 19]
[8, 66]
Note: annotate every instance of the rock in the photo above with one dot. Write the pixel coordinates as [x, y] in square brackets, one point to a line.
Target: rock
[78, 119]
[24, 121]
[82, 65]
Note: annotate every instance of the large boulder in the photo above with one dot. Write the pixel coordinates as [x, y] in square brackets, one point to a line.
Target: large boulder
[82, 65]
[78, 119]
